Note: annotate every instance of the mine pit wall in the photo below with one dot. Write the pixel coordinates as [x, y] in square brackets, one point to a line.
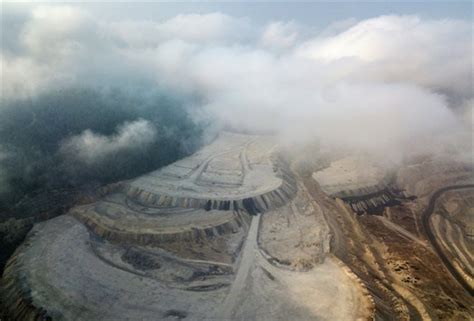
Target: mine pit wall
[372, 203]
[372, 200]
[240, 220]
[243, 210]
[16, 301]
[253, 205]
[38, 207]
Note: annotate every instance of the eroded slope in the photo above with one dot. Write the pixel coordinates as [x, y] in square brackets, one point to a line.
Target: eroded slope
[193, 241]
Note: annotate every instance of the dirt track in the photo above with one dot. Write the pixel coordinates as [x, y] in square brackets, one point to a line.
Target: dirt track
[431, 237]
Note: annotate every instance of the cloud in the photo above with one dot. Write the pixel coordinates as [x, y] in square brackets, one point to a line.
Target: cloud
[212, 28]
[206, 27]
[380, 85]
[280, 34]
[50, 45]
[379, 118]
[92, 148]
[432, 53]
[57, 31]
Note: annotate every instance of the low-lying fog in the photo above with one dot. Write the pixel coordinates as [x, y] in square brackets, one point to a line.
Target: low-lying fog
[85, 98]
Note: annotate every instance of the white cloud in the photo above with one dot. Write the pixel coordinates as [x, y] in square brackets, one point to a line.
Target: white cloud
[377, 84]
[432, 53]
[57, 31]
[280, 34]
[92, 148]
[206, 27]
[212, 28]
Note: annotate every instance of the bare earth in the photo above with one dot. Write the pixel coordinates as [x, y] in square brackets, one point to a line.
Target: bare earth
[180, 243]
[238, 231]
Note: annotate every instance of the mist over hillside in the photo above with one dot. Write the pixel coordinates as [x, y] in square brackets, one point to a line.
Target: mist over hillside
[89, 99]
[214, 160]
[75, 136]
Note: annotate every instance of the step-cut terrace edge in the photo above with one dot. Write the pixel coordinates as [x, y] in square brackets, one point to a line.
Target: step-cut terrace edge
[191, 234]
[253, 205]
[15, 296]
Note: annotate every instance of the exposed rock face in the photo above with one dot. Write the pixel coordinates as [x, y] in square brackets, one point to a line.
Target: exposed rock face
[235, 172]
[136, 213]
[137, 228]
[391, 253]
[376, 201]
[187, 242]
[365, 187]
[253, 205]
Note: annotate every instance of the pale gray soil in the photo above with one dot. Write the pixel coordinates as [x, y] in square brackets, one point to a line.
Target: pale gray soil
[109, 261]
[349, 173]
[72, 282]
[233, 166]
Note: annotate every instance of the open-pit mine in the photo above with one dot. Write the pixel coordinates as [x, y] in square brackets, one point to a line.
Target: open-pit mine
[243, 231]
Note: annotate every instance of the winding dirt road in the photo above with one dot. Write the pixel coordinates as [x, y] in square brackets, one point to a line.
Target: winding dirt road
[425, 219]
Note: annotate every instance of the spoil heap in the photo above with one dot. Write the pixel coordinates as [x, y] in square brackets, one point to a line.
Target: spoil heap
[235, 172]
[365, 187]
[182, 227]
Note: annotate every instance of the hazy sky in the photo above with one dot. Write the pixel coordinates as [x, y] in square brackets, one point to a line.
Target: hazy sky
[316, 13]
[379, 76]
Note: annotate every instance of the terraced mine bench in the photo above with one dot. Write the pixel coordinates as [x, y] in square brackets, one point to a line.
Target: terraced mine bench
[365, 187]
[243, 175]
[201, 203]
[186, 242]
